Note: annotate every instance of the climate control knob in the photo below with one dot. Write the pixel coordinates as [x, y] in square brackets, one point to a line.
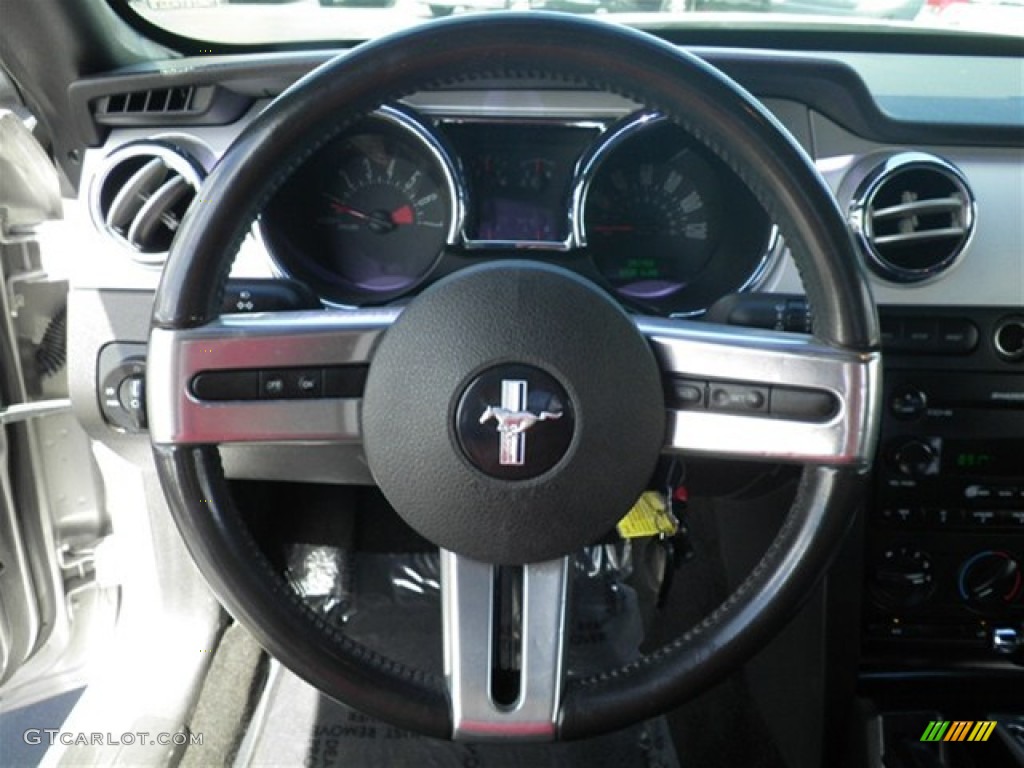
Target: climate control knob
[902, 577]
[991, 578]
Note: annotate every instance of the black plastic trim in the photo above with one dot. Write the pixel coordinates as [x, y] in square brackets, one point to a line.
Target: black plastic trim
[824, 85]
[218, 105]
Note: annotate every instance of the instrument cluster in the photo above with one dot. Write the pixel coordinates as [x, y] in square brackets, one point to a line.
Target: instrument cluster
[636, 205]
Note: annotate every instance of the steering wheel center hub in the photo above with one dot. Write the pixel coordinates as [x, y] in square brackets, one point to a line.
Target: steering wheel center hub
[513, 413]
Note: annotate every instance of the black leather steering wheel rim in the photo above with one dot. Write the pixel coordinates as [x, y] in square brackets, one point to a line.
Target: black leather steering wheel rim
[461, 51]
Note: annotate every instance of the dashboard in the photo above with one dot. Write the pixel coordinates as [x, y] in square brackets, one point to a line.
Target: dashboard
[596, 184]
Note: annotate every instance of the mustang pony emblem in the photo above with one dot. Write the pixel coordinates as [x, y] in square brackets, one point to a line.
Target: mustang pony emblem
[513, 420]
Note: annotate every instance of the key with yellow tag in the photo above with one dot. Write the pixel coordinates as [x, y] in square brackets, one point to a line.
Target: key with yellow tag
[650, 516]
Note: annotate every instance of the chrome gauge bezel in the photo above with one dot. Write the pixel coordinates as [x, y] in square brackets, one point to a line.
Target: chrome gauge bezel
[629, 129]
[571, 241]
[405, 120]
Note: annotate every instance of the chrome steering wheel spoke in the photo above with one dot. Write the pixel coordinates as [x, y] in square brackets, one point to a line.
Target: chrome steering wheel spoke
[233, 351]
[756, 394]
[471, 605]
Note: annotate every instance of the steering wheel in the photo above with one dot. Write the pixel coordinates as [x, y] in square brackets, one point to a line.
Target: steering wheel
[433, 363]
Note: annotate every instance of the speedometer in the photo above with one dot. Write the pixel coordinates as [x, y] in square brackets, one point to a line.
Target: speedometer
[366, 218]
[665, 223]
[653, 223]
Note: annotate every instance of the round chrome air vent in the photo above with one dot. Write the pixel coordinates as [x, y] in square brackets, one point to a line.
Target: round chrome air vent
[141, 193]
[913, 213]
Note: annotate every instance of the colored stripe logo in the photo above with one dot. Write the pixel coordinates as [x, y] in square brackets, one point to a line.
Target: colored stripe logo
[958, 730]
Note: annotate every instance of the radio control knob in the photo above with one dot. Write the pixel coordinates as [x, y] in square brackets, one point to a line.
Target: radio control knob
[990, 578]
[913, 458]
[908, 403]
[1008, 338]
[902, 577]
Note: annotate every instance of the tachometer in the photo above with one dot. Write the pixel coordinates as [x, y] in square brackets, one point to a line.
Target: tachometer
[667, 225]
[366, 218]
[385, 212]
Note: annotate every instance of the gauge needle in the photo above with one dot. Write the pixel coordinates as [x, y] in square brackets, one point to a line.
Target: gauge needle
[354, 212]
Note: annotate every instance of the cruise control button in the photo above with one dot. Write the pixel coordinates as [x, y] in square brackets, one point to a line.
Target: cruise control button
[273, 385]
[688, 393]
[738, 397]
[345, 380]
[227, 385]
[803, 404]
[303, 383]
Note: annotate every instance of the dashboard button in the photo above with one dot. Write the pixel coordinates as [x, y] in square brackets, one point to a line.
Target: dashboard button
[1009, 338]
[919, 335]
[803, 404]
[303, 383]
[981, 517]
[908, 403]
[901, 515]
[272, 385]
[227, 385]
[1006, 492]
[957, 335]
[345, 381]
[892, 332]
[688, 393]
[739, 397]
[914, 458]
[1013, 518]
[976, 492]
[937, 518]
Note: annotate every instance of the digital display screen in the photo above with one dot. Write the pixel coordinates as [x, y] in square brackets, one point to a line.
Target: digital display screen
[983, 458]
[519, 177]
[502, 218]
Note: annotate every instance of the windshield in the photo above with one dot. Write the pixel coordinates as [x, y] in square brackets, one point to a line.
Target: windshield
[295, 21]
